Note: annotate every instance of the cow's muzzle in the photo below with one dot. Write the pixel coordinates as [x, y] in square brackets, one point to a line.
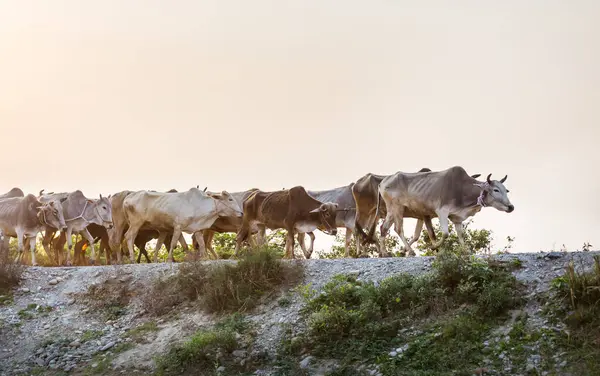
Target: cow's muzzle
[510, 208]
[108, 225]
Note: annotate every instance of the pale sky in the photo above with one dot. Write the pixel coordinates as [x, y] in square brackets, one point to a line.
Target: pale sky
[104, 96]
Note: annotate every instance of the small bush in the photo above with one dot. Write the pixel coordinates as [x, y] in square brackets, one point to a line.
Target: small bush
[10, 276]
[205, 350]
[226, 286]
[357, 320]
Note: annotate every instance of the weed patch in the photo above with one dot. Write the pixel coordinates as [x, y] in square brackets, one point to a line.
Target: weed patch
[206, 350]
[226, 286]
[577, 302]
[10, 276]
[139, 333]
[110, 297]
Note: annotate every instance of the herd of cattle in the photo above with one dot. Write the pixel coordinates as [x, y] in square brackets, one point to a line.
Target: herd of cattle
[134, 218]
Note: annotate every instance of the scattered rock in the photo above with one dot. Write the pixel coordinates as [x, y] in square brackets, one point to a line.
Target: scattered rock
[393, 353]
[53, 282]
[304, 363]
[108, 346]
[239, 353]
[221, 369]
[71, 301]
[75, 343]
[25, 289]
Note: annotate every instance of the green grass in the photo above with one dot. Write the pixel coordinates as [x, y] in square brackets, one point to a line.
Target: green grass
[89, 335]
[205, 351]
[139, 333]
[32, 309]
[455, 306]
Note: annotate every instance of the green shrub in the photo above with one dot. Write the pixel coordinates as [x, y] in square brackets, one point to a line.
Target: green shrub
[356, 320]
[10, 276]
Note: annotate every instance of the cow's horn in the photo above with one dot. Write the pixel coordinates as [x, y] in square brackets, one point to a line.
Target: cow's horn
[197, 186]
[41, 192]
[100, 196]
[488, 179]
[204, 189]
[503, 179]
[475, 176]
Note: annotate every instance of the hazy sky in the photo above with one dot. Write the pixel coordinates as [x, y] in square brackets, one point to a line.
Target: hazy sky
[110, 95]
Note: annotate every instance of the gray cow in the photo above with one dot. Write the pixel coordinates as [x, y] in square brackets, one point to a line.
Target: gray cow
[449, 195]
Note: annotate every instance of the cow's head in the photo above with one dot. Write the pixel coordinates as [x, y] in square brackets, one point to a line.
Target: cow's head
[51, 214]
[103, 211]
[227, 206]
[495, 194]
[327, 213]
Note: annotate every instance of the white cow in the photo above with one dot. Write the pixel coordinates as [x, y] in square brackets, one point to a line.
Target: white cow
[190, 212]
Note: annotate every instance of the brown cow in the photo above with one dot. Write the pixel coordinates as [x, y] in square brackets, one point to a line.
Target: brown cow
[15, 192]
[24, 217]
[293, 210]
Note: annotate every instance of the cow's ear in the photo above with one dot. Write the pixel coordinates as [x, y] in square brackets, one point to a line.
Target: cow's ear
[63, 199]
[475, 176]
[90, 201]
[315, 210]
[52, 203]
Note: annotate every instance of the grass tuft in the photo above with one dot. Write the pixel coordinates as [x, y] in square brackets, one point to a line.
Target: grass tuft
[225, 286]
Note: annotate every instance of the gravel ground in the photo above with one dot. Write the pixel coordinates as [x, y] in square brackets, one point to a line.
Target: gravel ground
[49, 326]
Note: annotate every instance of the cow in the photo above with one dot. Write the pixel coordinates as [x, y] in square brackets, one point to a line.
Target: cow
[120, 226]
[369, 209]
[15, 192]
[191, 212]
[449, 195]
[79, 212]
[293, 210]
[366, 196]
[224, 224]
[345, 217]
[24, 217]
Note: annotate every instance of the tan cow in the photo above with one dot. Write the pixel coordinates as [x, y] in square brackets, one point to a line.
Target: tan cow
[293, 210]
[116, 235]
[24, 217]
[191, 212]
[449, 194]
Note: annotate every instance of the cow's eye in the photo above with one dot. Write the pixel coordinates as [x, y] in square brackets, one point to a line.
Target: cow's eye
[496, 190]
[104, 207]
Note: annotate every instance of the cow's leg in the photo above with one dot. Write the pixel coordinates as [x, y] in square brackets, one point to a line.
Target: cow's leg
[69, 236]
[208, 243]
[311, 235]
[417, 233]
[384, 231]
[47, 242]
[443, 216]
[159, 243]
[174, 241]
[86, 234]
[289, 244]
[31, 241]
[240, 238]
[348, 242]
[399, 223]
[142, 248]
[200, 241]
[20, 236]
[430, 230]
[130, 236]
[460, 231]
[184, 244]
[261, 236]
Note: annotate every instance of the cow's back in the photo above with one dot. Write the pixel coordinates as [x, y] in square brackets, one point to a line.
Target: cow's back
[15, 192]
[18, 212]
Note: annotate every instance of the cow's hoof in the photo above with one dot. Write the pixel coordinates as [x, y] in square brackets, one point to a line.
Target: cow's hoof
[92, 262]
[68, 263]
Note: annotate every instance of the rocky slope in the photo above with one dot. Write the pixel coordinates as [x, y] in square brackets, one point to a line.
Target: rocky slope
[50, 328]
